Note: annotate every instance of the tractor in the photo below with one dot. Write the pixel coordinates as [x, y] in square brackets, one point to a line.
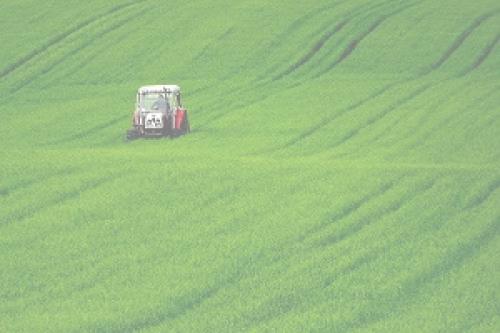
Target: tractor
[159, 113]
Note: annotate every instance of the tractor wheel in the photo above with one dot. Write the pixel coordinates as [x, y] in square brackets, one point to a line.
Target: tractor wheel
[186, 128]
[133, 134]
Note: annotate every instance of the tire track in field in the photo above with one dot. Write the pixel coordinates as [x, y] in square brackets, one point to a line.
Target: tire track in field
[58, 200]
[326, 36]
[483, 56]
[327, 120]
[294, 26]
[412, 287]
[352, 14]
[484, 194]
[355, 265]
[350, 208]
[185, 303]
[213, 43]
[89, 131]
[64, 35]
[402, 117]
[354, 228]
[326, 281]
[460, 40]
[434, 129]
[301, 21]
[76, 50]
[313, 51]
[23, 184]
[352, 46]
[381, 115]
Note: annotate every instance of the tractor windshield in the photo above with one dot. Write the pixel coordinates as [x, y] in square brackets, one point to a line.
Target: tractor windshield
[157, 102]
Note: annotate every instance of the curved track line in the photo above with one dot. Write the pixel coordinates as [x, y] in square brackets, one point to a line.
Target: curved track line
[312, 52]
[89, 185]
[483, 56]
[59, 38]
[212, 43]
[420, 138]
[384, 113]
[392, 208]
[350, 208]
[24, 184]
[355, 42]
[325, 121]
[90, 131]
[305, 19]
[294, 26]
[321, 42]
[460, 40]
[484, 194]
[68, 55]
[394, 124]
[456, 257]
[183, 304]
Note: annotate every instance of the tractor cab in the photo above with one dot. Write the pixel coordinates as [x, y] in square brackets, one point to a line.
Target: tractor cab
[159, 112]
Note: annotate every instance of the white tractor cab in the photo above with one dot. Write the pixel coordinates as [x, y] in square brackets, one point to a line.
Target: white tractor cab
[159, 112]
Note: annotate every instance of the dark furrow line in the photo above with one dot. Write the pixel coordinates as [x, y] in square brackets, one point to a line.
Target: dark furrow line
[62, 198]
[364, 10]
[75, 67]
[313, 51]
[426, 135]
[183, 304]
[392, 208]
[68, 55]
[393, 124]
[326, 36]
[282, 304]
[295, 25]
[356, 264]
[401, 118]
[305, 19]
[410, 289]
[8, 190]
[483, 56]
[352, 14]
[350, 208]
[351, 47]
[460, 40]
[380, 116]
[90, 131]
[207, 47]
[232, 106]
[218, 104]
[354, 44]
[61, 37]
[484, 194]
[327, 120]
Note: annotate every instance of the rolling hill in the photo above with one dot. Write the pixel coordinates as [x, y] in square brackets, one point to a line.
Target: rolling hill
[342, 174]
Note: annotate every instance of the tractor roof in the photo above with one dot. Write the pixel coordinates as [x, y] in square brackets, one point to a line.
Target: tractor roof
[159, 88]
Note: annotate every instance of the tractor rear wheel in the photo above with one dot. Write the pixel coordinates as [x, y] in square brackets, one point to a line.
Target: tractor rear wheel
[133, 134]
[186, 128]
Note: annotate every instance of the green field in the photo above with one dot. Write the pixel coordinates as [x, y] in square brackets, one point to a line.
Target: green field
[342, 173]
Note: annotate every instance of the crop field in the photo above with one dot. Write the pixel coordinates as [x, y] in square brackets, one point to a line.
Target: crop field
[342, 173]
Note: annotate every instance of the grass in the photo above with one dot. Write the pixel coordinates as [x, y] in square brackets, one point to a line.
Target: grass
[342, 174]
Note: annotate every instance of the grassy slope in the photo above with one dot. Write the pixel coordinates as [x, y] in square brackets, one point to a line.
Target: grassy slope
[342, 174]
